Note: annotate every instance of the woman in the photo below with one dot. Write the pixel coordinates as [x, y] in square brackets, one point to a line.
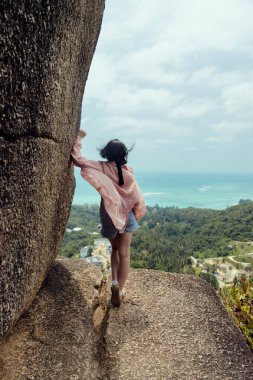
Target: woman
[121, 204]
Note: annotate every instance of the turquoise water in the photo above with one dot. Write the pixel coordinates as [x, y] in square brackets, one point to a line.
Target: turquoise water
[216, 191]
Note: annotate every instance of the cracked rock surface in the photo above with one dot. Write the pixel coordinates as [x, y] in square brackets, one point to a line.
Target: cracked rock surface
[170, 326]
[47, 50]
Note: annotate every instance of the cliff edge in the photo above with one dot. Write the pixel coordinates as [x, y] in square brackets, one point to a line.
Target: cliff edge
[169, 327]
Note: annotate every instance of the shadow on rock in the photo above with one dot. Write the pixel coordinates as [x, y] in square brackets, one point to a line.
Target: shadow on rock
[56, 334]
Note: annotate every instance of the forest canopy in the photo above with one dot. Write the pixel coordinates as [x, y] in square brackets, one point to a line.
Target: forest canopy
[168, 235]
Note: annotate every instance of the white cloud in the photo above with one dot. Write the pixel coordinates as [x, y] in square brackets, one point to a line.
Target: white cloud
[173, 26]
[213, 140]
[131, 100]
[102, 77]
[238, 100]
[193, 108]
[174, 73]
[189, 149]
[233, 127]
[155, 41]
[145, 128]
[230, 132]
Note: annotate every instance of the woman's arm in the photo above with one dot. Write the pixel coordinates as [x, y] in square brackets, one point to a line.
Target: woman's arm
[78, 159]
[139, 208]
[76, 155]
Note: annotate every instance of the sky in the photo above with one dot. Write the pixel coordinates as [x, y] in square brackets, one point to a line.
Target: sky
[175, 78]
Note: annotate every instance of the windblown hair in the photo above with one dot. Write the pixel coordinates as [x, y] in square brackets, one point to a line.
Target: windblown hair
[116, 151]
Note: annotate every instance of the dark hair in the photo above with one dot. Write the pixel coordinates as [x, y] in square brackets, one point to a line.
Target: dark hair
[116, 151]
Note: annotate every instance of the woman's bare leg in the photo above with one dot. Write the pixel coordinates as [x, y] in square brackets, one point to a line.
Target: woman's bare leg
[115, 258]
[124, 257]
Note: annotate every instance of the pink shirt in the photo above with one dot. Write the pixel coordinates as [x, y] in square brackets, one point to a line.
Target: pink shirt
[103, 176]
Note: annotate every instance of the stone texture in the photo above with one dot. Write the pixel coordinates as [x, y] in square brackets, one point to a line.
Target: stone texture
[47, 51]
[174, 327]
[169, 327]
[55, 339]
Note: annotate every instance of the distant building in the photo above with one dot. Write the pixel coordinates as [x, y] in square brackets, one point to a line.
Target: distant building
[223, 268]
[86, 251]
[102, 241]
[97, 260]
[77, 229]
[194, 261]
[74, 229]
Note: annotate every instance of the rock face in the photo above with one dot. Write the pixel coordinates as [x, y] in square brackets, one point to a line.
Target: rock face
[169, 327]
[48, 48]
[55, 338]
[174, 327]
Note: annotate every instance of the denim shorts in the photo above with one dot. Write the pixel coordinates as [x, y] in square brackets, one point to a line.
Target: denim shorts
[108, 229]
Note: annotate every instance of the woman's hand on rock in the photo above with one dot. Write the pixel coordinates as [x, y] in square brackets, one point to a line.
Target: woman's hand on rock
[81, 133]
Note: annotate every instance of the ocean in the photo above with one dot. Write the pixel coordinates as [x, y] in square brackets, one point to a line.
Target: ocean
[215, 191]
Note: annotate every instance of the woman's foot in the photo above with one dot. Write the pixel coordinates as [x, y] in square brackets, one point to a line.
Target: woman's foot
[116, 299]
[122, 293]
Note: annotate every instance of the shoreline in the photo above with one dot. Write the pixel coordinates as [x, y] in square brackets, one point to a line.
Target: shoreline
[216, 192]
[97, 204]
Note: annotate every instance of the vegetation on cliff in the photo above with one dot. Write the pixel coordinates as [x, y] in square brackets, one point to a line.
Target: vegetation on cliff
[85, 219]
[238, 300]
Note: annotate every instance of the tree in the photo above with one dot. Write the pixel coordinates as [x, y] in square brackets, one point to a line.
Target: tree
[211, 279]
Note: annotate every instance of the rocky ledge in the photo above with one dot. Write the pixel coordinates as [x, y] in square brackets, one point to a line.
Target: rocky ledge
[169, 327]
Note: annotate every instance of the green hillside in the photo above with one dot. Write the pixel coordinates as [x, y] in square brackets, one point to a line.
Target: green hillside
[169, 236]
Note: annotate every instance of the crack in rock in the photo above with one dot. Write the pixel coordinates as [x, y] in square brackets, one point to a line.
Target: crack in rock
[100, 307]
[101, 316]
[31, 134]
